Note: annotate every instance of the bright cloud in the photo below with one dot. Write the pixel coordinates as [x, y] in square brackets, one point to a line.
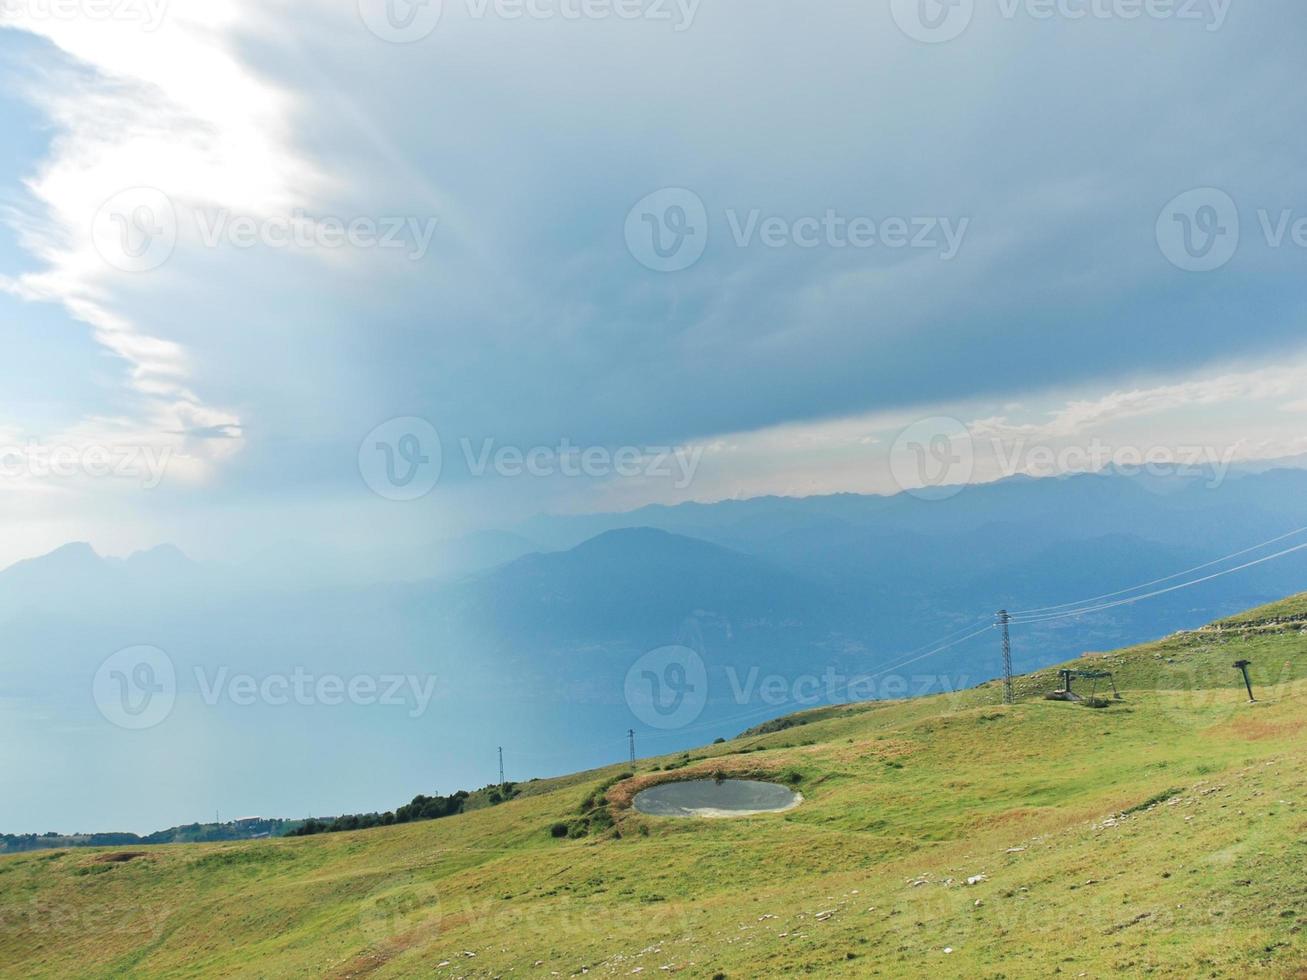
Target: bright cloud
[155, 108]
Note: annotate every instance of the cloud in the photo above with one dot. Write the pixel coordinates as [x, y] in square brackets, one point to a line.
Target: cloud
[523, 144]
[213, 432]
[1212, 420]
[165, 105]
[1081, 416]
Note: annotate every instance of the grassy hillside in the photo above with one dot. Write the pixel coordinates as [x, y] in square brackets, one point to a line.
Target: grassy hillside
[1164, 835]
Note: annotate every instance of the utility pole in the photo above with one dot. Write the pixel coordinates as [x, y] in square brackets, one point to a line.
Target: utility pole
[1003, 620]
[501, 765]
[631, 735]
[1242, 666]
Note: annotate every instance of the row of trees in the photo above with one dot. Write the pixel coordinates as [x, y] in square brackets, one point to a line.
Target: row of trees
[420, 808]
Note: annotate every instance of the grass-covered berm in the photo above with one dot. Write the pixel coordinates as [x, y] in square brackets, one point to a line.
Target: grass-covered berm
[1163, 835]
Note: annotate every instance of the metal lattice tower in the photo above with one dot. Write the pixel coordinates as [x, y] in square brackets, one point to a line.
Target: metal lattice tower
[501, 765]
[631, 734]
[1003, 620]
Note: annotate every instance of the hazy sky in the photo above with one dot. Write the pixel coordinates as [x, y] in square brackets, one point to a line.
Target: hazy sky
[238, 238]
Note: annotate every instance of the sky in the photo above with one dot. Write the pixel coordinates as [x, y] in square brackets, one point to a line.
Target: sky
[369, 274]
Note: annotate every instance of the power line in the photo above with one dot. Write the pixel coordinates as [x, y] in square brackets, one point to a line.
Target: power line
[1029, 617]
[1152, 595]
[950, 636]
[859, 679]
[770, 710]
[1159, 581]
[1012, 620]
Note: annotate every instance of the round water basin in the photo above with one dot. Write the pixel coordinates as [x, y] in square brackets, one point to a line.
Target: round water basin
[715, 798]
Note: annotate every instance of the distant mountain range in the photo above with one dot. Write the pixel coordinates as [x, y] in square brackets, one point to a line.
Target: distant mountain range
[531, 632]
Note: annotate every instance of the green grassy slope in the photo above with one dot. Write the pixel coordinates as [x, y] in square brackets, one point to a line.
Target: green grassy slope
[1165, 835]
